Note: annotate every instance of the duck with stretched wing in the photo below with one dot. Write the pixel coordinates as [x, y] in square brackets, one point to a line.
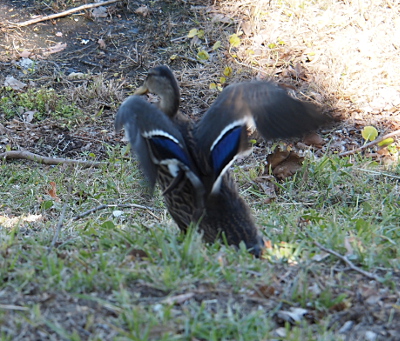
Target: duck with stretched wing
[191, 161]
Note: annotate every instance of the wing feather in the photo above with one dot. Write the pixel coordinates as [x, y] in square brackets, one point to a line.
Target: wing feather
[264, 105]
[155, 140]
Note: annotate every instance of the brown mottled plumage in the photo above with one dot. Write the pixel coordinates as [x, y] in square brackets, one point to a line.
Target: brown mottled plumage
[190, 160]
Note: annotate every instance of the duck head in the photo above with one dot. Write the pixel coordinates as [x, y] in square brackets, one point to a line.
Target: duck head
[161, 81]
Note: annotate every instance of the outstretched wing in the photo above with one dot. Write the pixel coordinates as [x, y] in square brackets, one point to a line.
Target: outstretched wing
[155, 140]
[222, 131]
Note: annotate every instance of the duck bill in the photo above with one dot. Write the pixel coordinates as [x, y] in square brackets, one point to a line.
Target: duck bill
[141, 90]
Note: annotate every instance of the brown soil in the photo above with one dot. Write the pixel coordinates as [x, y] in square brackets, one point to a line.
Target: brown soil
[111, 55]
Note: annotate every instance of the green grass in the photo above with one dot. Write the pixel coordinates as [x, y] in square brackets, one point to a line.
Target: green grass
[46, 103]
[94, 263]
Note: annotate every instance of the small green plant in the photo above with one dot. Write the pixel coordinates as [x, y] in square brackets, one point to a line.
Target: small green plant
[369, 133]
[234, 40]
[44, 102]
[222, 80]
[195, 32]
[203, 55]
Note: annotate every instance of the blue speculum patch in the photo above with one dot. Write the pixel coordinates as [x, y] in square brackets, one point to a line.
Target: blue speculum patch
[164, 148]
[226, 149]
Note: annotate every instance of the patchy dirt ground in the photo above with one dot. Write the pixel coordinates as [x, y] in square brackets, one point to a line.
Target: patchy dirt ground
[103, 69]
[371, 314]
[95, 60]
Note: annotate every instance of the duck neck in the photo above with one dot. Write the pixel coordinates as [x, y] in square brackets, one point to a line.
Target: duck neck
[169, 101]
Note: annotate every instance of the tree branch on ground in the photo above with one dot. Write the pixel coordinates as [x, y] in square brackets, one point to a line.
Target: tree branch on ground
[61, 14]
[349, 263]
[58, 229]
[354, 151]
[22, 154]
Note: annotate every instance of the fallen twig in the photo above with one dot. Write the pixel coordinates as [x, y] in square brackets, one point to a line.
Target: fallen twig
[351, 152]
[378, 173]
[61, 14]
[13, 307]
[58, 229]
[101, 207]
[193, 60]
[349, 263]
[22, 154]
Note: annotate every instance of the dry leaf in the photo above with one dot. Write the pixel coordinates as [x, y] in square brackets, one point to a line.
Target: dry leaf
[293, 316]
[277, 157]
[284, 163]
[118, 213]
[347, 245]
[383, 152]
[14, 83]
[339, 306]
[373, 299]
[247, 28]
[25, 54]
[222, 18]
[313, 139]
[195, 41]
[76, 75]
[281, 332]
[346, 327]
[53, 191]
[101, 43]
[314, 289]
[178, 299]
[28, 116]
[56, 48]
[26, 63]
[318, 257]
[99, 12]
[264, 291]
[3, 129]
[143, 10]
[138, 254]
[267, 186]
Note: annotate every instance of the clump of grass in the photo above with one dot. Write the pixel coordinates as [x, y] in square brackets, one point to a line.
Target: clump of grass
[124, 268]
[45, 103]
[97, 91]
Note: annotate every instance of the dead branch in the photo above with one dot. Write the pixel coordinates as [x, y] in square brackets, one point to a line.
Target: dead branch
[22, 154]
[351, 152]
[101, 207]
[61, 14]
[13, 307]
[58, 229]
[348, 262]
[193, 60]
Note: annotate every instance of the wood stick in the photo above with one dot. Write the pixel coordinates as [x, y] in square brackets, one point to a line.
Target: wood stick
[61, 14]
[58, 229]
[349, 263]
[23, 154]
[351, 152]
[13, 307]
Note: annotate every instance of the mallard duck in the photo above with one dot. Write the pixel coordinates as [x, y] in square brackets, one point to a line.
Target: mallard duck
[191, 161]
